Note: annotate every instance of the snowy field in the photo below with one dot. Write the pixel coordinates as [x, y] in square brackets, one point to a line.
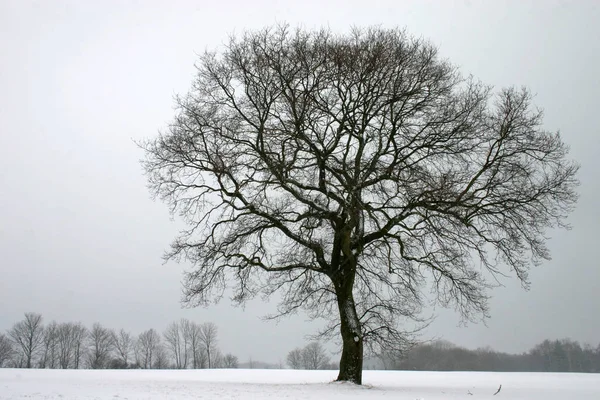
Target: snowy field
[288, 384]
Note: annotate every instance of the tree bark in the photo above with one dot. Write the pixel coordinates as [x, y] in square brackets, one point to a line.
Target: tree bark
[351, 363]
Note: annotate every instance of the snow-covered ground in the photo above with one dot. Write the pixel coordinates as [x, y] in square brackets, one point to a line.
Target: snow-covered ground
[288, 384]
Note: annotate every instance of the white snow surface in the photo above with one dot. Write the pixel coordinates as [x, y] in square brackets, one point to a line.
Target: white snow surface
[290, 384]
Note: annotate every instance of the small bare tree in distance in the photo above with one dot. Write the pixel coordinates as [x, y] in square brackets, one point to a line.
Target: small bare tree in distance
[100, 346]
[208, 338]
[124, 343]
[314, 356]
[350, 172]
[6, 350]
[80, 334]
[230, 361]
[294, 359]
[161, 357]
[177, 342]
[49, 353]
[147, 347]
[193, 334]
[71, 339]
[28, 336]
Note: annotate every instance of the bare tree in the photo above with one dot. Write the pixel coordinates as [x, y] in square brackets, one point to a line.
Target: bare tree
[28, 337]
[79, 333]
[66, 344]
[189, 339]
[49, 356]
[350, 172]
[201, 358]
[100, 345]
[71, 339]
[6, 350]
[137, 354]
[193, 333]
[294, 358]
[177, 338]
[230, 361]
[161, 357]
[123, 343]
[208, 338]
[146, 348]
[218, 360]
[314, 356]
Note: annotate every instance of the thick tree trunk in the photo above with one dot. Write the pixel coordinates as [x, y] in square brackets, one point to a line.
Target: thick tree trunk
[351, 363]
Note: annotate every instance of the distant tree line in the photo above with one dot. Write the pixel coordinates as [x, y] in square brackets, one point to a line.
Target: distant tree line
[312, 356]
[71, 345]
[563, 355]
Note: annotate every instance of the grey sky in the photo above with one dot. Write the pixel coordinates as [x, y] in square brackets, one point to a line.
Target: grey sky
[80, 238]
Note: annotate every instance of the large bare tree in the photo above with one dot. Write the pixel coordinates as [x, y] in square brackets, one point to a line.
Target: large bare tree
[351, 172]
[28, 336]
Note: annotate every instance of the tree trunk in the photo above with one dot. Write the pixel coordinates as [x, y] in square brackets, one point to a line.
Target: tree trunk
[351, 363]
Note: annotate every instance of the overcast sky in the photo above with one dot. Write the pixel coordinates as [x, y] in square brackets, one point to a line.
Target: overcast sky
[80, 238]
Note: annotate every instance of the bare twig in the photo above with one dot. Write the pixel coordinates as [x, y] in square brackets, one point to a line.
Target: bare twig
[498, 391]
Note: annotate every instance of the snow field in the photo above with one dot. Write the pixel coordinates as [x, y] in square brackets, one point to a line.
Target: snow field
[290, 384]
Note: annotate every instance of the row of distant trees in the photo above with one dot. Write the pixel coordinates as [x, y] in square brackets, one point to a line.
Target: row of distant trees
[563, 355]
[71, 345]
[312, 356]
